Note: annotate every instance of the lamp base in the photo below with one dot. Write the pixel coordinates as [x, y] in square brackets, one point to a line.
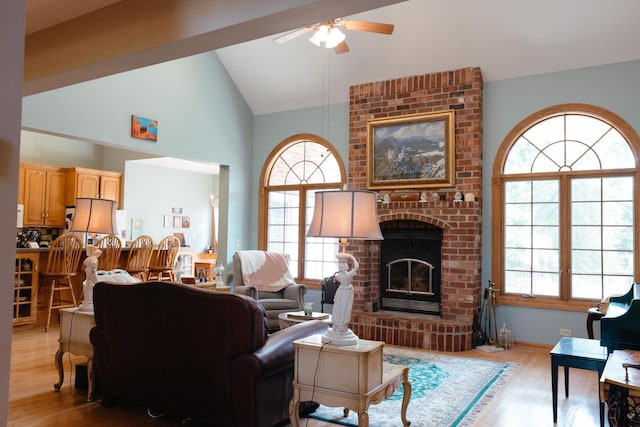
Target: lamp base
[86, 306]
[340, 338]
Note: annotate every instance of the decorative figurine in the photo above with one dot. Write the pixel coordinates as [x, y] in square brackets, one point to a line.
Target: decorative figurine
[91, 277]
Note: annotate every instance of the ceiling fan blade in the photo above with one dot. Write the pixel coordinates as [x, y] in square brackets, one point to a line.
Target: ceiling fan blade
[293, 34]
[372, 27]
[341, 48]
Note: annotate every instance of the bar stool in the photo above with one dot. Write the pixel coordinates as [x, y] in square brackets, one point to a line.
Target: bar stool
[110, 246]
[161, 267]
[140, 256]
[62, 265]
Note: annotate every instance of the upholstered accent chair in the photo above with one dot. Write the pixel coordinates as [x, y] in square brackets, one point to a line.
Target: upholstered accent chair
[291, 298]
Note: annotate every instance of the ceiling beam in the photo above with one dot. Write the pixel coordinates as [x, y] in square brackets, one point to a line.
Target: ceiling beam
[136, 33]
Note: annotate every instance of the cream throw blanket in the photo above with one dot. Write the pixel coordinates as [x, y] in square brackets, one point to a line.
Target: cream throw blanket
[267, 271]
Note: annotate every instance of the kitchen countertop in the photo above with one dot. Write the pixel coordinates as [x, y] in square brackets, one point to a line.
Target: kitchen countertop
[40, 250]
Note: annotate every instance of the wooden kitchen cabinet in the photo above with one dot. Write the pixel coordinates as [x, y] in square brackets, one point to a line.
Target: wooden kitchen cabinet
[43, 195]
[110, 186]
[25, 302]
[92, 183]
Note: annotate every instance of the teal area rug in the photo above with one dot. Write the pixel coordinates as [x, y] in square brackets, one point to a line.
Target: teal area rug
[446, 391]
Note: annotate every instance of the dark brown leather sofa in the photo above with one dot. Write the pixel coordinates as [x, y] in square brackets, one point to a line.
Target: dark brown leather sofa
[193, 353]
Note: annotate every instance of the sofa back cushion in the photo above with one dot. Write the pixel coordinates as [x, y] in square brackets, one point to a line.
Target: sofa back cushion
[165, 337]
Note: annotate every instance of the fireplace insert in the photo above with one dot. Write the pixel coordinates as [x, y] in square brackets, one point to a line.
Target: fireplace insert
[410, 269]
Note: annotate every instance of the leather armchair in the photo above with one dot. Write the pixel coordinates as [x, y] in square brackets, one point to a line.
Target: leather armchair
[289, 299]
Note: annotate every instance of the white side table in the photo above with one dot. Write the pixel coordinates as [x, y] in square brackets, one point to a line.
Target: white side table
[74, 338]
[352, 377]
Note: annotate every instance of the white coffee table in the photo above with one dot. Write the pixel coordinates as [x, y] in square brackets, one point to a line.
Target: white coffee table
[285, 321]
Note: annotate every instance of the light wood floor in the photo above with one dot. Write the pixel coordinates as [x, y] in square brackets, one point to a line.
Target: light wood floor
[524, 401]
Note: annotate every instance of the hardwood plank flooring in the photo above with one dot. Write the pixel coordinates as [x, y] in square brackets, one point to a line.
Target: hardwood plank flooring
[524, 401]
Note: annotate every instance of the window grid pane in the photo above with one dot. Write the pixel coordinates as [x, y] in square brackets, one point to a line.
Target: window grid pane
[282, 225]
[601, 234]
[532, 235]
[320, 260]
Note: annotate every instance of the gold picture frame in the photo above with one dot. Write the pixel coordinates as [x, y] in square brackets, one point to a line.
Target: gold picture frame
[414, 151]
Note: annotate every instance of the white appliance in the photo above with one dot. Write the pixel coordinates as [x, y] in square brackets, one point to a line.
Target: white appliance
[20, 215]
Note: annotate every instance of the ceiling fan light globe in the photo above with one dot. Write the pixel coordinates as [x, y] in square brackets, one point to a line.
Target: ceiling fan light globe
[320, 36]
[334, 38]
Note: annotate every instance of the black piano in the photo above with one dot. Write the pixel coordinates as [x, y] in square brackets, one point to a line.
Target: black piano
[620, 327]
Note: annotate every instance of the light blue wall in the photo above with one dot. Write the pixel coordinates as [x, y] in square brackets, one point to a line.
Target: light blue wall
[201, 116]
[331, 123]
[613, 87]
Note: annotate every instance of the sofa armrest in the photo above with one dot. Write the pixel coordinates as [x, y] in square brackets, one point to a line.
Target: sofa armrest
[250, 291]
[295, 292]
[278, 349]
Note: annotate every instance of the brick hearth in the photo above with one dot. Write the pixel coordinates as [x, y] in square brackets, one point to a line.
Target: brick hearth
[461, 91]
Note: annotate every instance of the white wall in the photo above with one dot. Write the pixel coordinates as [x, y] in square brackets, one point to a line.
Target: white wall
[151, 192]
[58, 151]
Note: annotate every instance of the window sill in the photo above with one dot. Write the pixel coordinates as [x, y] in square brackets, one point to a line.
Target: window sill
[545, 303]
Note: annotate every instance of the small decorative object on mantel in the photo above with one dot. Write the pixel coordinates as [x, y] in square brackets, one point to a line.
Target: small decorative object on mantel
[457, 198]
[435, 197]
[423, 196]
[405, 197]
[469, 197]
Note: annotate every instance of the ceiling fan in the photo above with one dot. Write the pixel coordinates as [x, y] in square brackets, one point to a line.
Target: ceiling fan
[327, 34]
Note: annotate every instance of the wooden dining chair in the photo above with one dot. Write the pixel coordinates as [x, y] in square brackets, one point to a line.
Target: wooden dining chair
[110, 246]
[62, 266]
[139, 257]
[164, 261]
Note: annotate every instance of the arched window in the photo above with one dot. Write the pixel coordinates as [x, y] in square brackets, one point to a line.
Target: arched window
[564, 208]
[293, 172]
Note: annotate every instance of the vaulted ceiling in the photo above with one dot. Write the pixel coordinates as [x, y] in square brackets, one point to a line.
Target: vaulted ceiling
[505, 38]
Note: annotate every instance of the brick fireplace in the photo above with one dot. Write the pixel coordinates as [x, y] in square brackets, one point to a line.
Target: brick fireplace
[460, 221]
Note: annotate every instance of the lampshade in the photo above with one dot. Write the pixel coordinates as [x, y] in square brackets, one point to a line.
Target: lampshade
[94, 216]
[346, 214]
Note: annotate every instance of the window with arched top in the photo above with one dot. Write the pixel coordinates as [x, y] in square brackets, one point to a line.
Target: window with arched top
[564, 208]
[293, 172]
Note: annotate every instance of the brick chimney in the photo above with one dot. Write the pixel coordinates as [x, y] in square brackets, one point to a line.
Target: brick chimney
[461, 222]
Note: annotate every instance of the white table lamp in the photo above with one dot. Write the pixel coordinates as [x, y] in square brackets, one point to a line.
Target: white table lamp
[347, 214]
